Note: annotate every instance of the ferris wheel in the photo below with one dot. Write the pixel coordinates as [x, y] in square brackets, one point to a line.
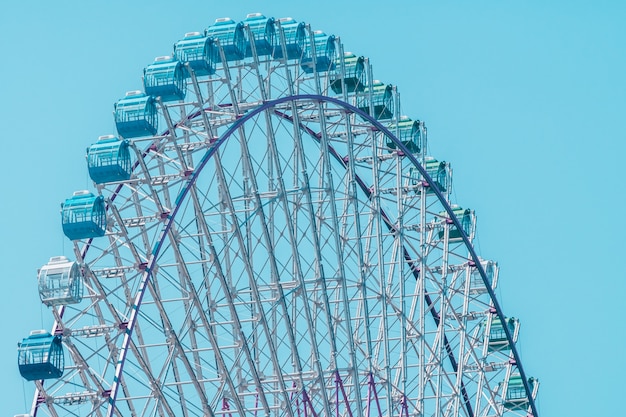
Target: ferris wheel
[267, 235]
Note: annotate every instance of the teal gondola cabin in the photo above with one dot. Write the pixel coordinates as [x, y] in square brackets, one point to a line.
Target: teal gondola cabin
[83, 216]
[439, 172]
[262, 33]
[381, 100]
[199, 52]
[515, 398]
[410, 132]
[40, 356]
[350, 75]
[136, 115]
[231, 37]
[165, 78]
[109, 160]
[290, 39]
[465, 217]
[319, 55]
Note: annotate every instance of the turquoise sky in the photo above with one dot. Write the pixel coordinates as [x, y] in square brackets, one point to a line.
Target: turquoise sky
[526, 100]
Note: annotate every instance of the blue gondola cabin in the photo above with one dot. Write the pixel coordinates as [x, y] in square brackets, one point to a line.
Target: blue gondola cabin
[40, 356]
[136, 115]
[290, 39]
[60, 282]
[516, 398]
[439, 172]
[231, 37]
[381, 100]
[352, 77]
[320, 53]
[199, 52]
[165, 78]
[411, 133]
[465, 217]
[262, 33]
[497, 334]
[83, 216]
[109, 160]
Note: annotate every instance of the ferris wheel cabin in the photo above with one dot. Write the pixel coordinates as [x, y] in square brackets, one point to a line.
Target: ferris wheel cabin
[198, 51]
[381, 100]
[294, 35]
[466, 218]
[439, 172]
[515, 398]
[83, 216]
[60, 282]
[320, 53]
[262, 32]
[477, 285]
[165, 78]
[136, 115]
[497, 334]
[231, 37]
[109, 160]
[352, 77]
[411, 133]
[40, 356]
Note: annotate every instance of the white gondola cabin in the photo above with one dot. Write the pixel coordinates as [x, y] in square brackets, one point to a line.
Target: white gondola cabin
[61, 282]
[477, 285]
[109, 160]
[83, 216]
[40, 356]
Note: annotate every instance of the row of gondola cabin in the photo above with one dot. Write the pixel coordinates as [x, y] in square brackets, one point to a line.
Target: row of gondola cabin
[231, 37]
[109, 160]
[294, 37]
[380, 102]
[262, 33]
[83, 216]
[136, 115]
[515, 397]
[60, 282]
[199, 52]
[319, 55]
[412, 134]
[466, 218]
[349, 74]
[165, 78]
[40, 356]
[497, 333]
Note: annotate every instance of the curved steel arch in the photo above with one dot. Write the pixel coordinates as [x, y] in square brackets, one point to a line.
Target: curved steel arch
[147, 274]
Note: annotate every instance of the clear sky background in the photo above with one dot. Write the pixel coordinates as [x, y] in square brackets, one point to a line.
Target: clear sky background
[526, 99]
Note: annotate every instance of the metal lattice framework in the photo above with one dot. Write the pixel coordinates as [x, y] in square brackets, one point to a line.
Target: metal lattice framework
[279, 251]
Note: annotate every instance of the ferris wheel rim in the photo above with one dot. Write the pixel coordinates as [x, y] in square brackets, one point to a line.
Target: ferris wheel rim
[215, 145]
